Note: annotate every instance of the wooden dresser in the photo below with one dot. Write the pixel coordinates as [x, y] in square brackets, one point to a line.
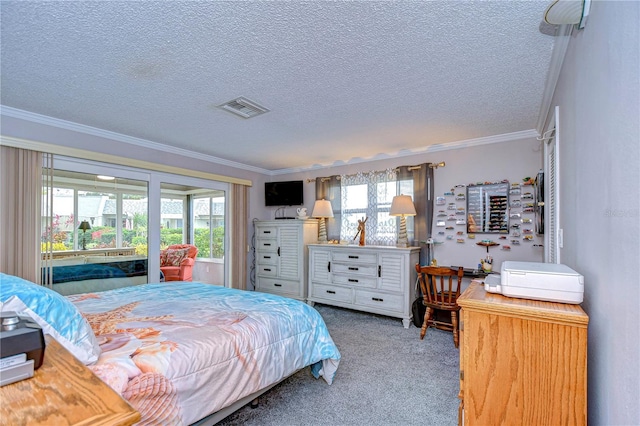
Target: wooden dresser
[521, 361]
[63, 391]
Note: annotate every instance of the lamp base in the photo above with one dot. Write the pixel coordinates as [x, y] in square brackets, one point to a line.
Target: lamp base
[322, 231]
[403, 241]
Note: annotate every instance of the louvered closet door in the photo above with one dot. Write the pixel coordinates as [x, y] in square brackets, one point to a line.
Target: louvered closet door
[290, 262]
[552, 233]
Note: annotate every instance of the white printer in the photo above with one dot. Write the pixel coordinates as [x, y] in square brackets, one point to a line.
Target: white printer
[536, 280]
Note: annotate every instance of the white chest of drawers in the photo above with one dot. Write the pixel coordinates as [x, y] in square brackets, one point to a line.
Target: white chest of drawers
[281, 256]
[376, 279]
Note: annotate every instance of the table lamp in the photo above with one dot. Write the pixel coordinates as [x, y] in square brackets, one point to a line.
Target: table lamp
[402, 206]
[84, 225]
[322, 210]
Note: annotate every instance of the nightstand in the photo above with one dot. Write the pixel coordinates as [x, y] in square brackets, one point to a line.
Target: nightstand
[63, 391]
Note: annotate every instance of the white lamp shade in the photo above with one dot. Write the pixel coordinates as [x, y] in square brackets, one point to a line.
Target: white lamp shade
[322, 208]
[402, 205]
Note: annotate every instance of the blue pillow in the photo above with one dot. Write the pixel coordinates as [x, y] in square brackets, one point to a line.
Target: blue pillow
[53, 312]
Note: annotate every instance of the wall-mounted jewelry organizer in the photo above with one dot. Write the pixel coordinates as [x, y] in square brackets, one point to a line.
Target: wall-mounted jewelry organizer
[503, 208]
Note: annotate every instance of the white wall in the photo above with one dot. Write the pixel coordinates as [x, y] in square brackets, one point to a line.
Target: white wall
[599, 98]
[512, 160]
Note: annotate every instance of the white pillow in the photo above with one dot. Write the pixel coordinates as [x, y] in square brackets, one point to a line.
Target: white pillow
[53, 312]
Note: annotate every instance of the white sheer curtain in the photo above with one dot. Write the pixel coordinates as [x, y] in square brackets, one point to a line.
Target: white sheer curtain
[20, 212]
[368, 195]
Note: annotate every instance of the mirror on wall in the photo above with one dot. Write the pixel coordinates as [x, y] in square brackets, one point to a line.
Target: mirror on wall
[488, 208]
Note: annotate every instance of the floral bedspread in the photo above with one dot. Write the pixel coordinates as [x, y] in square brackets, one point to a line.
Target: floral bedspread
[179, 351]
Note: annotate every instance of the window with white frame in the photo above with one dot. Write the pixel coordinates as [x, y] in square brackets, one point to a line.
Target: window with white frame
[114, 210]
[368, 196]
[209, 224]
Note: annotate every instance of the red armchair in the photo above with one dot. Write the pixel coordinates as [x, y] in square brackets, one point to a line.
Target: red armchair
[183, 271]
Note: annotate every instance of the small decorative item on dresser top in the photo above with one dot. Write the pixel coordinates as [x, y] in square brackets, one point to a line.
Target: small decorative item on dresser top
[361, 230]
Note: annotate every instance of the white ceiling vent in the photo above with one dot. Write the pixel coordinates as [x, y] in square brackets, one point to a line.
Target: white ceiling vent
[243, 107]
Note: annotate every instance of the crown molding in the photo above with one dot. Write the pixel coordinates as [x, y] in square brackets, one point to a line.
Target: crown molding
[506, 137]
[68, 125]
[94, 131]
[84, 154]
[563, 36]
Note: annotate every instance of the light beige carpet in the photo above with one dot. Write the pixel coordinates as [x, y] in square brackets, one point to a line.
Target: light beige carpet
[387, 376]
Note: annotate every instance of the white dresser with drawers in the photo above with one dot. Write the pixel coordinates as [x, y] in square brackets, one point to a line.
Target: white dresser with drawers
[281, 256]
[376, 279]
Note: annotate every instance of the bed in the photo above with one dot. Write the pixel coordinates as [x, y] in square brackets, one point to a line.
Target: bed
[82, 274]
[182, 352]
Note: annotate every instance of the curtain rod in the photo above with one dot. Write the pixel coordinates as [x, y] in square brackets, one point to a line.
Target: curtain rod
[324, 179]
[409, 168]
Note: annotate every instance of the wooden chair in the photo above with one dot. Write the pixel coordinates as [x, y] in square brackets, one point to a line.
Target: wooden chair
[440, 290]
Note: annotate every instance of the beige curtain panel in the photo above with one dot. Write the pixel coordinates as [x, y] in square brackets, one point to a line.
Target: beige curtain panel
[20, 212]
[239, 217]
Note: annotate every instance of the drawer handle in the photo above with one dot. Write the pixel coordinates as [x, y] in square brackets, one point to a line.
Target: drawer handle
[277, 285]
[267, 244]
[278, 251]
[351, 280]
[331, 292]
[267, 269]
[267, 257]
[329, 267]
[379, 271]
[267, 232]
[377, 299]
[354, 257]
[351, 268]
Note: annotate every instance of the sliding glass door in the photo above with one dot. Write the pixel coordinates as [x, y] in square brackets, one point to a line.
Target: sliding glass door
[194, 212]
[97, 213]
[94, 222]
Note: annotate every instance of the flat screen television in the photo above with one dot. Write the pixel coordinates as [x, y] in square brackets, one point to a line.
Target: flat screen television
[287, 193]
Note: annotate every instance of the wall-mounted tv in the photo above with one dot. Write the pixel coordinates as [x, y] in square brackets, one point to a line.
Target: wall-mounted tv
[287, 193]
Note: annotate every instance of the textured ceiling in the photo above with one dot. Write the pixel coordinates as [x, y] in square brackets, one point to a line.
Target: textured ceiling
[342, 80]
